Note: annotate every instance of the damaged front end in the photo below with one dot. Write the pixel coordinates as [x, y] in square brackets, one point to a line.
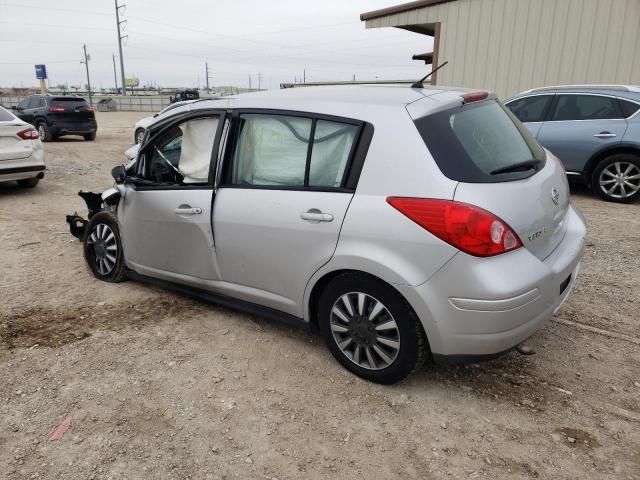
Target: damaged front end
[96, 202]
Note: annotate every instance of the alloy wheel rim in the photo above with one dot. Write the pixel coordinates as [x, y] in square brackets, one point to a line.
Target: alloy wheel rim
[41, 132]
[365, 331]
[140, 135]
[620, 179]
[105, 248]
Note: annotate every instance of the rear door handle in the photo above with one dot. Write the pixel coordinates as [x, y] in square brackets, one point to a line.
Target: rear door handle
[315, 215]
[187, 210]
[605, 135]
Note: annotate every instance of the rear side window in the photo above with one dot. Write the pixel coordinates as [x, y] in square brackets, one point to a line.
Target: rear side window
[585, 107]
[531, 109]
[5, 116]
[471, 142]
[628, 108]
[274, 150]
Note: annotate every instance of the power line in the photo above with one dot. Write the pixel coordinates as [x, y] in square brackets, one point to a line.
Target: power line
[55, 9]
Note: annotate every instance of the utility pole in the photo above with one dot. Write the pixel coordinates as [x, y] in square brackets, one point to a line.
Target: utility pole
[120, 37]
[206, 69]
[115, 75]
[259, 79]
[86, 64]
[304, 75]
[249, 81]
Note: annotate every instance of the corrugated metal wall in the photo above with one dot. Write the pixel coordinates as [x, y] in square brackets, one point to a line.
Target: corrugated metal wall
[512, 45]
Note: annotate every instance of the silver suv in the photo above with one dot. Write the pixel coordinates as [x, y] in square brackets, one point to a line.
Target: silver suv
[403, 223]
[593, 129]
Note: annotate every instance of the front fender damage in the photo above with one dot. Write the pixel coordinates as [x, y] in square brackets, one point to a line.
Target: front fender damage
[96, 202]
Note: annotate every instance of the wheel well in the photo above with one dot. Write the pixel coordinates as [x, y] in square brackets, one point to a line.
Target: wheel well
[318, 288]
[593, 161]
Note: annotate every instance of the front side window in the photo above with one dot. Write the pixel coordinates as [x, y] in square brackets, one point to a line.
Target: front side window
[585, 107]
[288, 151]
[531, 109]
[33, 102]
[182, 153]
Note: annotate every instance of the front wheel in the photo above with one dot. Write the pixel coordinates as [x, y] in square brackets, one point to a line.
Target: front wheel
[139, 135]
[617, 178]
[371, 329]
[103, 248]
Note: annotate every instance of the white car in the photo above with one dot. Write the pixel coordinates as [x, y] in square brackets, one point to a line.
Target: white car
[21, 154]
[141, 125]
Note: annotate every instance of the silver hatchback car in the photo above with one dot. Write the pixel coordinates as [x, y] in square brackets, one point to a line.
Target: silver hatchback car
[403, 223]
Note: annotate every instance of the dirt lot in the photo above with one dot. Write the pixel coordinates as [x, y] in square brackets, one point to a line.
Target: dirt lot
[160, 386]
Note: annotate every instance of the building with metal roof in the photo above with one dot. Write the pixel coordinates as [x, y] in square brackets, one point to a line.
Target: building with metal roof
[513, 45]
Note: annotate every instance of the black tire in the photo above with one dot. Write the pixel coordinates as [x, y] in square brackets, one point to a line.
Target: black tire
[28, 182]
[90, 137]
[413, 348]
[97, 245]
[138, 135]
[44, 132]
[610, 166]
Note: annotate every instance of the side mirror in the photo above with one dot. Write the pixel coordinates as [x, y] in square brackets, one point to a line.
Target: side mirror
[119, 173]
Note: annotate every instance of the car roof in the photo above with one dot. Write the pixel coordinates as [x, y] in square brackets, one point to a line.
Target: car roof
[352, 101]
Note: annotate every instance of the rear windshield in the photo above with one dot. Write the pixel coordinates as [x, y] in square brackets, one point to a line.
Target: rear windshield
[76, 101]
[481, 143]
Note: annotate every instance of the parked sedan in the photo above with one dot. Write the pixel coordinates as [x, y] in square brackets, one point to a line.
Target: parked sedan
[21, 154]
[403, 223]
[141, 126]
[594, 130]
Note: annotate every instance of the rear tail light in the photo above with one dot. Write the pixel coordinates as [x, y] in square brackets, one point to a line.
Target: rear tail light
[56, 108]
[475, 97]
[467, 227]
[28, 134]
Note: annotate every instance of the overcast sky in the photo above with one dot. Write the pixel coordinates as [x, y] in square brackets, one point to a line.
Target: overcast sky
[169, 42]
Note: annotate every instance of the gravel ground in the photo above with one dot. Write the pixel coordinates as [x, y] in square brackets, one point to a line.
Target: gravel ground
[161, 386]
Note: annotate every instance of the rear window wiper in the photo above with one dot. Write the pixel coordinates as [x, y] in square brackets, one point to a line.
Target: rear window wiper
[517, 167]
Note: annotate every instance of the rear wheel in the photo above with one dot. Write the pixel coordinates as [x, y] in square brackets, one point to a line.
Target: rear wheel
[617, 178]
[370, 329]
[44, 132]
[103, 248]
[90, 137]
[28, 182]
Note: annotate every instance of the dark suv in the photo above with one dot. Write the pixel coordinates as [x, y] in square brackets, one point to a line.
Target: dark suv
[54, 117]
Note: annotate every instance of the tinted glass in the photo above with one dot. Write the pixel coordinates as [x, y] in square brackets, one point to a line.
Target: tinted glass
[33, 102]
[332, 144]
[531, 109]
[585, 107]
[628, 108]
[5, 116]
[470, 142]
[271, 150]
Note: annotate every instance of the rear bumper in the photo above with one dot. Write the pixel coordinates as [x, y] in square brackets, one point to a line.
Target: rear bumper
[59, 131]
[21, 169]
[481, 307]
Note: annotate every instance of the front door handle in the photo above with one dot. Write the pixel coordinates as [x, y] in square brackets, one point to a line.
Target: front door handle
[315, 215]
[605, 135]
[188, 210]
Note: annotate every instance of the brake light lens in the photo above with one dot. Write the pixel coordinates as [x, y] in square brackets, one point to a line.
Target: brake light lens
[28, 134]
[57, 108]
[475, 97]
[468, 228]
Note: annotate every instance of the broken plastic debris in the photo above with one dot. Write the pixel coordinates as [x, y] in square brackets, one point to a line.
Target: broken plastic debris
[60, 430]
